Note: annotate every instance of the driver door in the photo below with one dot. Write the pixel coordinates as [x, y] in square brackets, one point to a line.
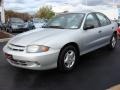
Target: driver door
[91, 33]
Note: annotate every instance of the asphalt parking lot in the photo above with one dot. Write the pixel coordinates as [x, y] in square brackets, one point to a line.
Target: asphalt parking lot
[98, 70]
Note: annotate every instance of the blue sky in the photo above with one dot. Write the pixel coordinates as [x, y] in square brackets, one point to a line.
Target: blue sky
[32, 6]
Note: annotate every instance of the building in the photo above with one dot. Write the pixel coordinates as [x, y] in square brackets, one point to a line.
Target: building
[2, 11]
[118, 6]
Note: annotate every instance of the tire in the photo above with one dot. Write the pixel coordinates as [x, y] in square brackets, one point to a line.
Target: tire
[67, 59]
[33, 27]
[113, 42]
[6, 29]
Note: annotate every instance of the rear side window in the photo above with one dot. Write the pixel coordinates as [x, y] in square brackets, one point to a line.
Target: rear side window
[103, 19]
[91, 20]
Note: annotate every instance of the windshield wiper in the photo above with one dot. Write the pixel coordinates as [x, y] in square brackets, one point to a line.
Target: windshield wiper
[59, 27]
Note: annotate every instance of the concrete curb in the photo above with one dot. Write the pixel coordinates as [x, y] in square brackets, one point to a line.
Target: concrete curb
[4, 40]
[8, 34]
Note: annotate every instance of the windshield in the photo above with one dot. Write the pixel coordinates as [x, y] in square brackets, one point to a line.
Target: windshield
[17, 20]
[37, 20]
[66, 21]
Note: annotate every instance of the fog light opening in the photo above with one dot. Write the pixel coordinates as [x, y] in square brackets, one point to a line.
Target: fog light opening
[37, 63]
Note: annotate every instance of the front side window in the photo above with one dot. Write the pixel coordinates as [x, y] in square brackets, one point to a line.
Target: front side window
[66, 21]
[103, 19]
[91, 20]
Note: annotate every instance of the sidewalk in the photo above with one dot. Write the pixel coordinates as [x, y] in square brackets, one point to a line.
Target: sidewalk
[4, 36]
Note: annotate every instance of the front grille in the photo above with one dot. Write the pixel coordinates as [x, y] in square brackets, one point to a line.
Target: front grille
[20, 26]
[14, 47]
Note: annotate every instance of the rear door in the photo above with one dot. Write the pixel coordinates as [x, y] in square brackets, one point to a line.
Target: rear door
[106, 28]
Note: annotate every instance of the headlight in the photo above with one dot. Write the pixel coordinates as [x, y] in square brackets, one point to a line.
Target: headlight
[37, 48]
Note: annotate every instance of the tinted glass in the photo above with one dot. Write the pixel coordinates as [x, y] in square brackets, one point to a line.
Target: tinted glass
[16, 20]
[66, 21]
[103, 19]
[91, 20]
[38, 20]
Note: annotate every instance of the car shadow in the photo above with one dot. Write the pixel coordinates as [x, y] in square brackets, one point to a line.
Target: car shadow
[48, 78]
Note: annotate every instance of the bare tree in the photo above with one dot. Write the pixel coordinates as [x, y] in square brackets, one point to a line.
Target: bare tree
[45, 12]
[10, 14]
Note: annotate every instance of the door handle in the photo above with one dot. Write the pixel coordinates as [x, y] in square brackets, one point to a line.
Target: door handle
[99, 31]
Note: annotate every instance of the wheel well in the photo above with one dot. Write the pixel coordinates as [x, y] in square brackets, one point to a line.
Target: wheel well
[72, 44]
[115, 32]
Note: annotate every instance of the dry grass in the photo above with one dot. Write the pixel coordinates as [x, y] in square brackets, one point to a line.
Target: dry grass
[4, 35]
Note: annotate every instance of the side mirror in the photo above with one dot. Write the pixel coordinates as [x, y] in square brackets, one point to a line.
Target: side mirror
[89, 27]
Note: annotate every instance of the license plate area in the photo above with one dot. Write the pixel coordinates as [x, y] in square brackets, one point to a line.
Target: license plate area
[8, 56]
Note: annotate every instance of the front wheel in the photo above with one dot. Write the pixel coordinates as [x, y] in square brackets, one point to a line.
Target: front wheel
[10, 30]
[67, 59]
[113, 42]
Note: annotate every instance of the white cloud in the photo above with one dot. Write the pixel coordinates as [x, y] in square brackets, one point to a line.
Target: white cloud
[32, 6]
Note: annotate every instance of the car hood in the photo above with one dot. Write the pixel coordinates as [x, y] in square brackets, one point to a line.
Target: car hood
[33, 36]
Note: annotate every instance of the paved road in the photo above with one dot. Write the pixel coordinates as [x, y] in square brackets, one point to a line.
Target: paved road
[96, 71]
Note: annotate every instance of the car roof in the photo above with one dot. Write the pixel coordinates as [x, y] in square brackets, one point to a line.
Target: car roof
[83, 11]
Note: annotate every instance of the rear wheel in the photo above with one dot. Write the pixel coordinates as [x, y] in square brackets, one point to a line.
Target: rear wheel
[113, 42]
[67, 59]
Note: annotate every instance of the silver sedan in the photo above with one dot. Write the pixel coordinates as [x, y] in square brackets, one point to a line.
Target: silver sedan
[61, 41]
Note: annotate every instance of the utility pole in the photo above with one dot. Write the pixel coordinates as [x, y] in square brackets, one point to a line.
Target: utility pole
[86, 3]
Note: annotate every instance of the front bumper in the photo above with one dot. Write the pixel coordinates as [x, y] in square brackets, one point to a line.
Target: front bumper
[20, 29]
[34, 61]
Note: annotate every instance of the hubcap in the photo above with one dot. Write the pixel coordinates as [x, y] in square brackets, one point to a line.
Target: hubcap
[69, 59]
[113, 42]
